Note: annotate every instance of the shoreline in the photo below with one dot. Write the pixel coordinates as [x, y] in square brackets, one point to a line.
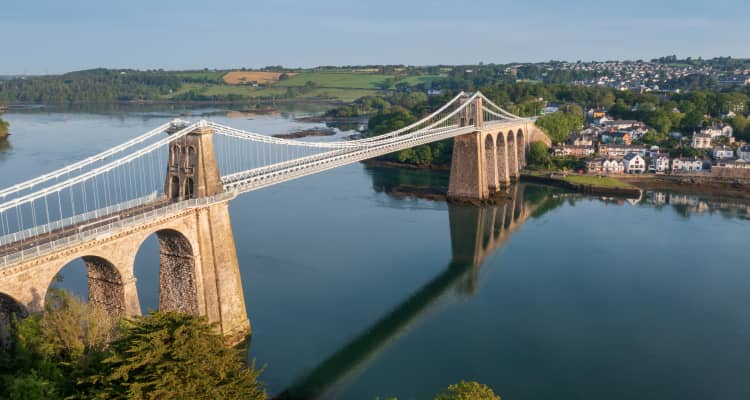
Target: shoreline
[700, 185]
[627, 192]
[249, 100]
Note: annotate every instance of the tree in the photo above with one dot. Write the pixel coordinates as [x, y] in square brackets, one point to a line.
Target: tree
[4, 126]
[174, 356]
[539, 155]
[559, 125]
[389, 120]
[467, 391]
[52, 350]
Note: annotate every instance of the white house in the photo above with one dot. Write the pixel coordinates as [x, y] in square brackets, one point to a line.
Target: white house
[718, 130]
[683, 164]
[659, 163]
[633, 163]
[700, 141]
[722, 152]
[612, 166]
[743, 153]
[738, 163]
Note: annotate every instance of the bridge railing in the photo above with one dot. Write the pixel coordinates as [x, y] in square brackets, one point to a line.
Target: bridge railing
[75, 220]
[103, 231]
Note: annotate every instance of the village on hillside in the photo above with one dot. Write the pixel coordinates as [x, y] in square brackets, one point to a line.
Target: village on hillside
[610, 146]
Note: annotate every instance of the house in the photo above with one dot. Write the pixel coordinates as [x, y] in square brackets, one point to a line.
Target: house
[633, 163]
[618, 137]
[735, 163]
[722, 152]
[659, 163]
[594, 165]
[604, 166]
[583, 140]
[596, 114]
[743, 153]
[612, 166]
[684, 164]
[718, 130]
[622, 124]
[574, 151]
[653, 151]
[700, 141]
[619, 151]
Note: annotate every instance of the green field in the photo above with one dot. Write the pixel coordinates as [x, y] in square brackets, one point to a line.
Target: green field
[348, 80]
[345, 86]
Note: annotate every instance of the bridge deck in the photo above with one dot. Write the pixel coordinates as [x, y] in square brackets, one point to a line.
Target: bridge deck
[81, 227]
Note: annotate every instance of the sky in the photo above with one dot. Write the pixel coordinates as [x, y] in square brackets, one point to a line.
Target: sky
[54, 36]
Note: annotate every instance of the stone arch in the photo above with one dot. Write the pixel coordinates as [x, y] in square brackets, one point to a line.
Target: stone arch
[491, 163]
[501, 147]
[521, 147]
[177, 271]
[106, 288]
[9, 308]
[512, 156]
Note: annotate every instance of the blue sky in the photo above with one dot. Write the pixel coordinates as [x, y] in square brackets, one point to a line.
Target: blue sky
[51, 36]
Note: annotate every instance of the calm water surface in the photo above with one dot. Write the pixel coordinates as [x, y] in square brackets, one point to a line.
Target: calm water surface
[355, 294]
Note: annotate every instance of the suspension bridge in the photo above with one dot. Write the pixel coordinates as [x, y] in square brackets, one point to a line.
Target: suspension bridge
[102, 208]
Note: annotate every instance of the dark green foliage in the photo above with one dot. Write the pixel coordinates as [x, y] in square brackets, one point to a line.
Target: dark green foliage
[98, 85]
[467, 391]
[539, 157]
[559, 125]
[68, 352]
[174, 356]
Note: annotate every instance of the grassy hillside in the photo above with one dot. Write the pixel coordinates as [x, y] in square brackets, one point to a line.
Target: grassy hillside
[343, 86]
[104, 85]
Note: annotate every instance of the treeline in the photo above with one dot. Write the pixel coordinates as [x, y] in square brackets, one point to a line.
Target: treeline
[91, 86]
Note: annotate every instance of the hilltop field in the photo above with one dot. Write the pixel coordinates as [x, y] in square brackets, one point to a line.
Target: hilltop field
[343, 86]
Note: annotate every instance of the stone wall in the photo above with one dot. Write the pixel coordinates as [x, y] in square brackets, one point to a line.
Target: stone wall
[723, 172]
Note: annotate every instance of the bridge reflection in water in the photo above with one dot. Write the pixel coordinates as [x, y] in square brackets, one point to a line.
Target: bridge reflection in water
[476, 232]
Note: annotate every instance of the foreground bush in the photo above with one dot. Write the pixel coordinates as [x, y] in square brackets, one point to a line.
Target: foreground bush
[75, 351]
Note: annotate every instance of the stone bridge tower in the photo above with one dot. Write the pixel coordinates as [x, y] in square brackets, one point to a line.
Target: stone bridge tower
[193, 172]
[487, 160]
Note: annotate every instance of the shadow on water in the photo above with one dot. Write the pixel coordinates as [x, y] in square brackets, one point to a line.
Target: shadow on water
[476, 232]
